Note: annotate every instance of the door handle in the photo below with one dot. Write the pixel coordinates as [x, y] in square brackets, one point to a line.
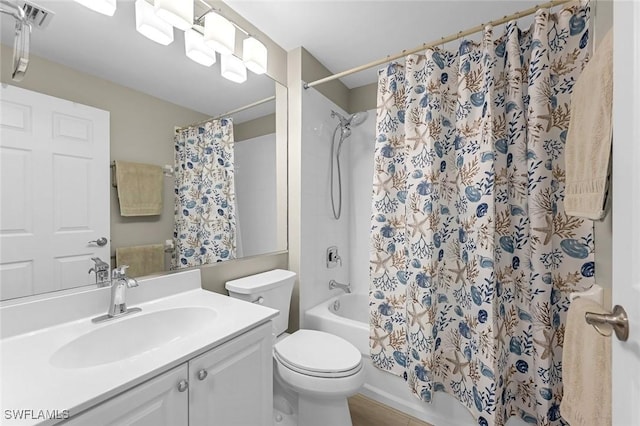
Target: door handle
[617, 320]
[101, 242]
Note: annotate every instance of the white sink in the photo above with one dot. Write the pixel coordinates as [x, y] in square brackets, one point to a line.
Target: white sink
[132, 335]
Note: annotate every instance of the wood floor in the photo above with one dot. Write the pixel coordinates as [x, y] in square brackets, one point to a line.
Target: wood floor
[367, 412]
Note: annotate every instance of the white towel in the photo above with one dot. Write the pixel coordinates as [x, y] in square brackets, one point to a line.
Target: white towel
[586, 369]
[588, 145]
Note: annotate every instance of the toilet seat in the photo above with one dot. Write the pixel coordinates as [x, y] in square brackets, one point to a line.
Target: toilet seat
[318, 354]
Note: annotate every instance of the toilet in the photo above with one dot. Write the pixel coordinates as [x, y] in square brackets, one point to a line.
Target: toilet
[314, 372]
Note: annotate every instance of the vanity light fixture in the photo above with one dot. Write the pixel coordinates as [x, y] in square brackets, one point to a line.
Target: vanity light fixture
[219, 33]
[150, 25]
[178, 13]
[106, 7]
[254, 55]
[232, 68]
[196, 49]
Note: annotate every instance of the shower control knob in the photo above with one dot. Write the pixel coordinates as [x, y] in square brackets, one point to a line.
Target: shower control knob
[183, 385]
[202, 374]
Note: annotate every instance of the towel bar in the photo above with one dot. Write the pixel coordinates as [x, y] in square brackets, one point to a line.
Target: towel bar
[167, 170]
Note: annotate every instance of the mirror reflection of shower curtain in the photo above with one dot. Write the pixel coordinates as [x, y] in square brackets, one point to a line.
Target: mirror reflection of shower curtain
[239, 243]
[205, 206]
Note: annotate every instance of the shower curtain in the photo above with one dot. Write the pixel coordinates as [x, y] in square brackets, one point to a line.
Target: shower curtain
[205, 204]
[472, 255]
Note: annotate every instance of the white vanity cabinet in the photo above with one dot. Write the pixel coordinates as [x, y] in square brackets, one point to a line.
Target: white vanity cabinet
[232, 385]
[157, 402]
[228, 385]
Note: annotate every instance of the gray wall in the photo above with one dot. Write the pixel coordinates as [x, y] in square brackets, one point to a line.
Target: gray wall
[142, 129]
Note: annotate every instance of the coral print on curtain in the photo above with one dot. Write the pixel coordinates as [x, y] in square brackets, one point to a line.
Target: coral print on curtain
[473, 257]
[205, 216]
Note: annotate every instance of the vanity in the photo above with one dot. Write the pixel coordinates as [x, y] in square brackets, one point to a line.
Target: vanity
[189, 357]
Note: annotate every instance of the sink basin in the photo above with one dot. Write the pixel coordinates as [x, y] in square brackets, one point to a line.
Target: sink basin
[132, 335]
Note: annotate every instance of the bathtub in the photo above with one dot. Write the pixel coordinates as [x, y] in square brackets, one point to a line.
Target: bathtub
[347, 316]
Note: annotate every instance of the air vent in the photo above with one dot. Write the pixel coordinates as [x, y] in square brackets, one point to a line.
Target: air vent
[37, 15]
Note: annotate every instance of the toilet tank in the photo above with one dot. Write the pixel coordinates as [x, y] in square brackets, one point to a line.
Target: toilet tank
[274, 287]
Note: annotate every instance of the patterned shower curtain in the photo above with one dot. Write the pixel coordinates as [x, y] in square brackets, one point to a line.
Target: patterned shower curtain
[205, 216]
[473, 257]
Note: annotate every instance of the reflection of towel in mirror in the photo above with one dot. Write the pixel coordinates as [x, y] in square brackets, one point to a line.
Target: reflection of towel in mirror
[586, 369]
[588, 145]
[140, 188]
[142, 260]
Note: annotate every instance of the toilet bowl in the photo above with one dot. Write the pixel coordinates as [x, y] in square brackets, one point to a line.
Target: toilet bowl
[314, 371]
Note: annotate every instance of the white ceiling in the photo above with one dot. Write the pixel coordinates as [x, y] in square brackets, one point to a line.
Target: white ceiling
[346, 34]
[340, 34]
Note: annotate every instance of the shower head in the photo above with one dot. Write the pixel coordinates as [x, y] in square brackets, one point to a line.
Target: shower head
[353, 120]
[358, 118]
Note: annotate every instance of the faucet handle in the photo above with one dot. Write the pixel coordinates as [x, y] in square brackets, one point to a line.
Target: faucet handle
[120, 272]
[100, 265]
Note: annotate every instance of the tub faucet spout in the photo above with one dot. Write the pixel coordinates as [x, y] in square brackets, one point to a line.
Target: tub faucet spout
[335, 284]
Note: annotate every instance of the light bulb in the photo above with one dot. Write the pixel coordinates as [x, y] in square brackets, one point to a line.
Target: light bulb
[178, 13]
[150, 25]
[106, 7]
[197, 50]
[233, 69]
[254, 55]
[219, 33]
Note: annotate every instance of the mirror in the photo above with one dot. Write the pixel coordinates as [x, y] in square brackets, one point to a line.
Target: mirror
[148, 90]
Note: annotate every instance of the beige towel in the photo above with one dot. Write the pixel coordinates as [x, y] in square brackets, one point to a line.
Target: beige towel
[140, 188]
[586, 369]
[142, 260]
[589, 137]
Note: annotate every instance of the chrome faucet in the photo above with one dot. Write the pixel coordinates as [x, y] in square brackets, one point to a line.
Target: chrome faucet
[335, 284]
[101, 269]
[117, 305]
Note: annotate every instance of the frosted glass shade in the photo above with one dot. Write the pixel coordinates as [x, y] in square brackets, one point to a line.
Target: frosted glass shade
[254, 55]
[197, 50]
[233, 69]
[150, 25]
[178, 13]
[219, 34]
[106, 7]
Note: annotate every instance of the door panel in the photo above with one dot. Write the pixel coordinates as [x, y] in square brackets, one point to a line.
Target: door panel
[54, 172]
[626, 210]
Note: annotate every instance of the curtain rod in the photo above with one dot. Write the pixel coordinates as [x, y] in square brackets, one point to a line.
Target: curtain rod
[233, 111]
[438, 42]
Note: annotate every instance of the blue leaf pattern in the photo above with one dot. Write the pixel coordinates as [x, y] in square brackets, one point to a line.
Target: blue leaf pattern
[473, 209]
[205, 216]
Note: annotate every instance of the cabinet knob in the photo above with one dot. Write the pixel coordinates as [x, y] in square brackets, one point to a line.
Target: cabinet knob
[202, 374]
[183, 385]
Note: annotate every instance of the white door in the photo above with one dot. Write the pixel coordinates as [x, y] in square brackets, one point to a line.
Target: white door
[626, 210]
[54, 177]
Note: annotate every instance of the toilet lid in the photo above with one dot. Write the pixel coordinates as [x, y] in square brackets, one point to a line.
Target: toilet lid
[317, 353]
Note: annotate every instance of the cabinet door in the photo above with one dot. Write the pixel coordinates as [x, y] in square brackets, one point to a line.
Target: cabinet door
[232, 385]
[157, 402]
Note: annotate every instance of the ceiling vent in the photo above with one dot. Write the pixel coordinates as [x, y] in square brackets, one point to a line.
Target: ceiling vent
[37, 15]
